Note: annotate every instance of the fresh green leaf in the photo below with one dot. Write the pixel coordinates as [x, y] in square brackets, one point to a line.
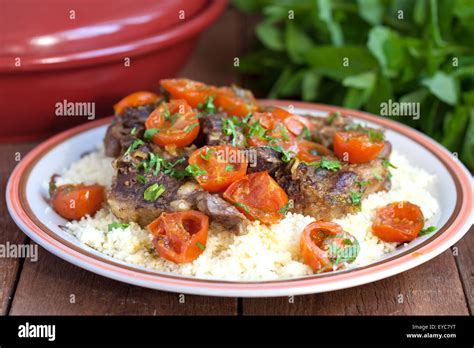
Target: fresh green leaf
[153, 192]
[371, 11]
[149, 133]
[297, 42]
[270, 35]
[443, 86]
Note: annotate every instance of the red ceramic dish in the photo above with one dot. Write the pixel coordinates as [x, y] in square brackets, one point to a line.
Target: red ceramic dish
[51, 28]
[30, 94]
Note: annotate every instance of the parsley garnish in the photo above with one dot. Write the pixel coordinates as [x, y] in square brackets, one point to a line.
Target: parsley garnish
[200, 246]
[356, 197]
[142, 179]
[327, 164]
[345, 255]
[189, 128]
[115, 224]
[305, 134]
[330, 119]
[427, 230]
[286, 207]
[228, 127]
[243, 206]
[195, 170]
[153, 192]
[387, 164]
[133, 146]
[377, 176]
[133, 131]
[149, 133]
[209, 151]
[375, 136]
[208, 106]
[229, 168]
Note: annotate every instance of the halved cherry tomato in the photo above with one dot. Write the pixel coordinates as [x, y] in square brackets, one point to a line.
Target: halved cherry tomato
[176, 124]
[193, 92]
[73, 202]
[356, 147]
[265, 130]
[220, 166]
[294, 123]
[259, 197]
[180, 237]
[235, 101]
[325, 246]
[134, 100]
[309, 151]
[398, 222]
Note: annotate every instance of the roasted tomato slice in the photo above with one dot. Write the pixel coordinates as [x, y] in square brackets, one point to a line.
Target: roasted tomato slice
[259, 197]
[73, 202]
[134, 100]
[325, 246]
[193, 92]
[175, 123]
[218, 166]
[180, 237]
[297, 125]
[357, 146]
[265, 130]
[235, 101]
[309, 151]
[398, 222]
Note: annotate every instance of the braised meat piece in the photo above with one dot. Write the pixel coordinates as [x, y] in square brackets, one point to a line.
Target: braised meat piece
[324, 128]
[263, 159]
[218, 129]
[326, 194]
[119, 133]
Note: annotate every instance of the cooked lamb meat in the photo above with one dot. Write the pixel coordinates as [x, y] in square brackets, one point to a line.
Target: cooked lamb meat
[324, 128]
[126, 196]
[213, 131]
[118, 136]
[263, 159]
[219, 210]
[325, 194]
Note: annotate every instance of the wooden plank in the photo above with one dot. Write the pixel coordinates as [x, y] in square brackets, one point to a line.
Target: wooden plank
[52, 286]
[464, 255]
[433, 288]
[212, 62]
[9, 233]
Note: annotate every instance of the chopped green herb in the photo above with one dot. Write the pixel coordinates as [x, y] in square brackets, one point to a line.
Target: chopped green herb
[115, 224]
[206, 156]
[387, 164]
[229, 168]
[200, 246]
[133, 131]
[142, 179]
[243, 206]
[195, 170]
[330, 165]
[375, 136]
[133, 146]
[153, 192]
[228, 127]
[166, 112]
[287, 206]
[189, 128]
[208, 106]
[305, 134]
[427, 230]
[332, 116]
[377, 176]
[356, 197]
[149, 133]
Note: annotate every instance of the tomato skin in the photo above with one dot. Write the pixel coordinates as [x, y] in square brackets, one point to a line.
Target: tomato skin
[218, 177]
[193, 92]
[316, 241]
[232, 103]
[134, 100]
[357, 146]
[258, 197]
[180, 237]
[307, 148]
[398, 222]
[294, 123]
[73, 202]
[274, 129]
[180, 132]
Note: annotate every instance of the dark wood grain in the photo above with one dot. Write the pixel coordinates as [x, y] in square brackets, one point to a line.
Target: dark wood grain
[52, 286]
[9, 232]
[464, 256]
[433, 288]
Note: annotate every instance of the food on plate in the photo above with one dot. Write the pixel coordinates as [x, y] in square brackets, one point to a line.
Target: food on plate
[398, 222]
[202, 180]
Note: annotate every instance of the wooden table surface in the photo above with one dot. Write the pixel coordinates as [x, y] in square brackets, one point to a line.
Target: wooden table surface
[442, 286]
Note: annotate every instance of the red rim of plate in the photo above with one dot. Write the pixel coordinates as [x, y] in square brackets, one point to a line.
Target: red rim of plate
[456, 226]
